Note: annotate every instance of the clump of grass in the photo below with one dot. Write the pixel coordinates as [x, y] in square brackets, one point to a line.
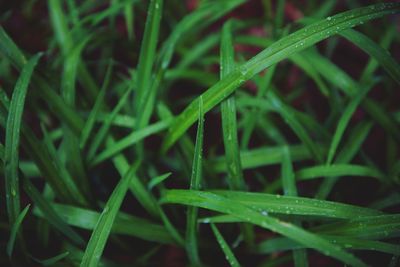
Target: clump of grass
[295, 159]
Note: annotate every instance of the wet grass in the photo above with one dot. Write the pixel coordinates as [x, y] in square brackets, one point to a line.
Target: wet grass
[242, 133]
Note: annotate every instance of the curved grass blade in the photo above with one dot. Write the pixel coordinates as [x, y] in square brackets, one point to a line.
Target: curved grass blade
[289, 115]
[195, 184]
[343, 81]
[207, 13]
[230, 257]
[372, 65]
[338, 170]
[13, 128]
[14, 230]
[68, 115]
[228, 112]
[124, 224]
[49, 213]
[98, 239]
[344, 121]
[278, 51]
[130, 140]
[377, 52]
[225, 205]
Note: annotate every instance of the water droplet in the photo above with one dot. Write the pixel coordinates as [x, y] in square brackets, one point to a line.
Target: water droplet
[329, 18]
[264, 213]
[278, 196]
[206, 220]
[13, 192]
[105, 209]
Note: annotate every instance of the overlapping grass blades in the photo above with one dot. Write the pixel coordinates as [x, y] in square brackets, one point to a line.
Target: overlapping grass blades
[278, 51]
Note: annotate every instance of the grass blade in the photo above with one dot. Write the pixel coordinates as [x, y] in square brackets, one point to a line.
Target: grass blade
[344, 121]
[228, 112]
[195, 184]
[378, 53]
[278, 51]
[98, 239]
[130, 140]
[146, 61]
[14, 230]
[290, 189]
[230, 257]
[87, 129]
[124, 224]
[53, 260]
[338, 170]
[289, 205]
[13, 128]
[224, 205]
[102, 133]
[264, 156]
[50, 214]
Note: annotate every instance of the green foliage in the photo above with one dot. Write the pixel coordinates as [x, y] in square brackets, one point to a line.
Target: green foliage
[295, 159]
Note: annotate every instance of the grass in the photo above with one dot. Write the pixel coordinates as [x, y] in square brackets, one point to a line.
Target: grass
[295, 157]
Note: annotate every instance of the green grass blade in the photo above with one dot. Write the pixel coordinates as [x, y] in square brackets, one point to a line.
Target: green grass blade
[138, 189]
[230, 257]
[102, 133]
[214, 202]
[264, 156]
[124, 224]
[10, 50]
[372, 65]
[129, 19]
[228, 112]
[158, 180]
[14, 230]
[13, 128]
[192, 23]
[63, 174]
[370, 227]
[195, 184]
[338, 170]
[282, 244]
[60, 27]
[87, 129]
[378, 53]
[351, 147]
[290, 189]
[343, 81]
[99, 237]
[146, 60]
[288, 178]
[289, 205]
[50, 214]
[278, 51]
[53, 260]
[289, 115]
[344, 121]
[130, 140]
